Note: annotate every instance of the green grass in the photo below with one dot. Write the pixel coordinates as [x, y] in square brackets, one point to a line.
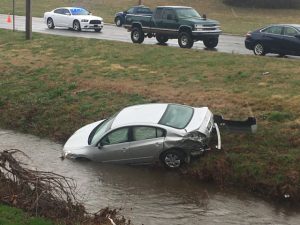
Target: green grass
[51, 93]
[13, 216]
[233, 20]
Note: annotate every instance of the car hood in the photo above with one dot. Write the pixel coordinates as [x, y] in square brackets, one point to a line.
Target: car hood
[200, 21]
[80, 138]
[87, 17]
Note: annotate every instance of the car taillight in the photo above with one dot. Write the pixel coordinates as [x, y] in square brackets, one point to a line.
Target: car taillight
[248, 35]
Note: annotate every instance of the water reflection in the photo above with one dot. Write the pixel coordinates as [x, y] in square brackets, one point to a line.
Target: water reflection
[150, 195]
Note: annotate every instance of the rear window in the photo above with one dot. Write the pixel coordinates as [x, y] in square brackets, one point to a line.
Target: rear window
[177, 116]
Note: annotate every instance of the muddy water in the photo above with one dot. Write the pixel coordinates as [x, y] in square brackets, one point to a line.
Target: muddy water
[150, 196]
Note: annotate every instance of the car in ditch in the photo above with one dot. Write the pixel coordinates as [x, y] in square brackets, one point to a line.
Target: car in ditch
[174, 22]
[135, 10]
[282, 39]
[149, 133]
[76, 18]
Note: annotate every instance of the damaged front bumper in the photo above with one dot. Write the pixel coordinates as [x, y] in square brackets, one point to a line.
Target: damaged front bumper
[249, 125]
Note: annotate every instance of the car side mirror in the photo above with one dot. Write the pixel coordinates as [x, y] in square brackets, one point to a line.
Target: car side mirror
[100, 145]
[204, 16]
[68, 14]
[297, 36]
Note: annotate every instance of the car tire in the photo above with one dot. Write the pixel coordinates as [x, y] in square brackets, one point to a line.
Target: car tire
[118, 22]
[162, 39]
[185, 40]
[211, 42]
[50, 23]
[76, 25]
[98, 30]
[259, 49]
[137, 35]
[173, 159]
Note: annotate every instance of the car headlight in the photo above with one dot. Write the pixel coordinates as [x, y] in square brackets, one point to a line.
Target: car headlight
[196, 136]
[84, 20]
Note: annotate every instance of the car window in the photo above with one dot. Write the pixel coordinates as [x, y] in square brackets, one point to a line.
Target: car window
[130, 11]
[143, 11]
[158, 13]
[143, 133]
[187, 13]
[273, 30]
[290, 31]
[177, 116]
[66, 11]
[98, 132]
[169, 14]
[116, 137]
[59, 11]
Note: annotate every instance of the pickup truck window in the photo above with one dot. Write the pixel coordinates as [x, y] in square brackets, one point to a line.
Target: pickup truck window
[169, 14]
[158, 13]
[187, 13]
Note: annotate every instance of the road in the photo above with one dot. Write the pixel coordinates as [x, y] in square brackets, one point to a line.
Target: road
[227, 43]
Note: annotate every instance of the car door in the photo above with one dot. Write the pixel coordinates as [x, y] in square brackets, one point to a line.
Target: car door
[113, 147]
[147, 144]
[170, 22]
[272, 38]
[58, 17]
[157, 20]
[291, 45]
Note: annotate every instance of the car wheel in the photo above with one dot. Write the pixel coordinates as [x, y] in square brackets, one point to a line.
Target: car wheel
[162, 39]
[211, 43]
[76, 25]
[137, 35]
[118, 22]
[173, 159]
[50, 23]
[259, 49]
[98, 30]
[185, 40]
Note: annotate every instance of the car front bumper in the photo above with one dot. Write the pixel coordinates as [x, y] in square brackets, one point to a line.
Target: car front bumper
[87, 25]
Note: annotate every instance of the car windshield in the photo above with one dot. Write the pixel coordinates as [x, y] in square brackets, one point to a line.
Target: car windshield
[79, 11]
[187, 13]
[97, 133]
[177, 116]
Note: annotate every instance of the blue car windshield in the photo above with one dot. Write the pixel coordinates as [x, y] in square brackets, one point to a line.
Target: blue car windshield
[177, 116]
[79, 11]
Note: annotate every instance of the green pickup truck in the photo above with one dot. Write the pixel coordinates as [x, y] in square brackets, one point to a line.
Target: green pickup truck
[174, 22]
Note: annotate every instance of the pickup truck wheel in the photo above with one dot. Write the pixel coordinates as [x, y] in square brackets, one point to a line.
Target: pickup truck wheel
[185, 40]
[137, 35]
[76, 25]
[162, 39]
[259, 49]
[211, 43]
[173, 159]
[118, 21]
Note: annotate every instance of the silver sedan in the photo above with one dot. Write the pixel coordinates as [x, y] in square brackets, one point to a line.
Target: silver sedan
[143, 134]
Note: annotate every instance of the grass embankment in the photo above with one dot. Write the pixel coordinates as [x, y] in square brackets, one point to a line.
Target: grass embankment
[13, 216]
[233, 20]
[52, 85]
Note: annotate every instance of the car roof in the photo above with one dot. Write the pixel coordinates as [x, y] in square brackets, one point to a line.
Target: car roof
[140, 114]
[175, 7]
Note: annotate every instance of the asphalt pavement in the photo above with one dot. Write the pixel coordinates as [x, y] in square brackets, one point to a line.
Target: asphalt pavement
[227, 43]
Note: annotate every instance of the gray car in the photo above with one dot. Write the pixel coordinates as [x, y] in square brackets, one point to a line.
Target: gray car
[143, 134]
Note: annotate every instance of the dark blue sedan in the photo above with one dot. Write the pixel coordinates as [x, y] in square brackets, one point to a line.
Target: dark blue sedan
[282, 39]
[137, 10]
